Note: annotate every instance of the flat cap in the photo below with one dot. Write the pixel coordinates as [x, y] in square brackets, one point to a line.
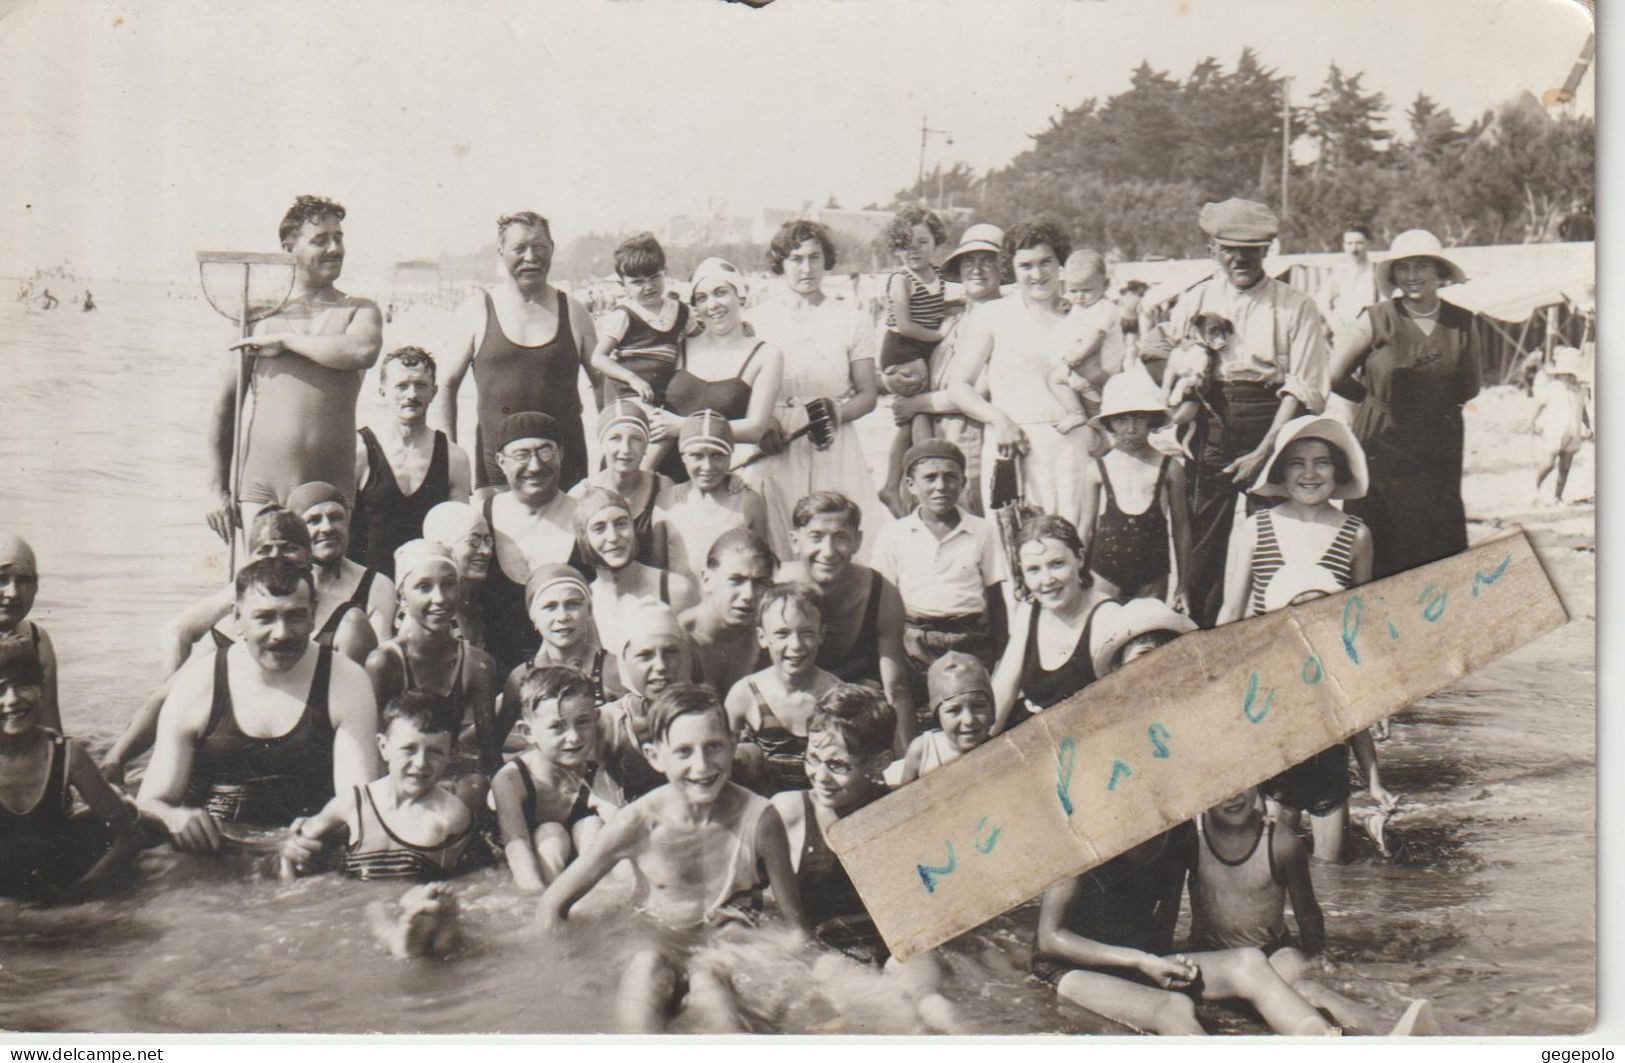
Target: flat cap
[1240, 222]
[932, 448]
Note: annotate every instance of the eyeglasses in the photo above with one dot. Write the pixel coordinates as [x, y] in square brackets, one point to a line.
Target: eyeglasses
[544, 453]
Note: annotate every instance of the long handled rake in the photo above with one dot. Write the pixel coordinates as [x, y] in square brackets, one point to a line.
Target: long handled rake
[245, 286]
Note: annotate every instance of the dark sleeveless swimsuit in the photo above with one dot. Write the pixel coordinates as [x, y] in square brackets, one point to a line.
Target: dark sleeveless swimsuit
[512, 379]
[510, 637]
[784, 752]
[358, 600]
[861, 661]
[384, 517]
[580, 810]
[378, 852]
[1042, 687]
[266, 781]
[687, 393]
[1130, 549]
[44, 846]
[653, 354]
[488, 752]
[834, 909]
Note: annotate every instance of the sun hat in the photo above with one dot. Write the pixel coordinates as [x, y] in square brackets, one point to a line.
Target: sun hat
[1140, 616]
[953, 674]
[712, 270]
[1416, 243]
[1131, 391]
[982, 236]
[1295, 578]
[1239, 223]
[1332, 431]
[706, 430]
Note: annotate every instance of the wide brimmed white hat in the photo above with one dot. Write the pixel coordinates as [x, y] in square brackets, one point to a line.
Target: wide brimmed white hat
[1332, 431]
[1131, 391]
[1568, 361]
[1296, 578]
[1141, 616]
[979, 237]
[1417, 243]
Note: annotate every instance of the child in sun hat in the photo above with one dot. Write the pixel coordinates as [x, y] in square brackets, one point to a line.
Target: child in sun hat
[1559, 421]
[1134, 498]
[713, 500]
[1315, 460]
[1136, 628]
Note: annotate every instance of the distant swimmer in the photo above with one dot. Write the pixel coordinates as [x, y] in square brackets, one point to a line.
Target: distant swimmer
[46, 300]
[308, 363]
[528, 343]
[405, 470]
[265, 730]
[90, 301]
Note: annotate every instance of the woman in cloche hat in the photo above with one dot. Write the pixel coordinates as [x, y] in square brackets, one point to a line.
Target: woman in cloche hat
[1420, 357]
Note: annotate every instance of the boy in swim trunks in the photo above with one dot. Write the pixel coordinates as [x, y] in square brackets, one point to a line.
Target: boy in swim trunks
[402, 826]
[701, 848]
[770, 709]
[48, 851]
[19, 584]
[551, 799]
[849, 743]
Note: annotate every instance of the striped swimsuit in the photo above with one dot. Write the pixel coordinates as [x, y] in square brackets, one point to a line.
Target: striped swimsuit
[925, 308]
[378, 852]
[1268, 558]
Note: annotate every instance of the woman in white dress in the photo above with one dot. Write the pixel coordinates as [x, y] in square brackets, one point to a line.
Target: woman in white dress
[1019, 342]
[829, 352]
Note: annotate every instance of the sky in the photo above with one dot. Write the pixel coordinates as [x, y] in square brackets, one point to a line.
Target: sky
[137, 133]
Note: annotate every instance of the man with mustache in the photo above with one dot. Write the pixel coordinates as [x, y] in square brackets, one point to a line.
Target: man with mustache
[306, 368]
[1276, 366]
[527, 343]
[265, 730]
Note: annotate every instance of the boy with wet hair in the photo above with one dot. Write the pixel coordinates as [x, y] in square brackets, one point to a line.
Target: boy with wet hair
[721, 629]
[49, 851]
[402, 826]
[700, 847]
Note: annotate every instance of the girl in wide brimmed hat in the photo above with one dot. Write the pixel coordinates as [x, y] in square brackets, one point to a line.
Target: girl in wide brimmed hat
[1315, 460]
[1134, 496]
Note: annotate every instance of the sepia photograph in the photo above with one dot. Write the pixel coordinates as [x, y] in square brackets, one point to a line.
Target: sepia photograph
[642, 517]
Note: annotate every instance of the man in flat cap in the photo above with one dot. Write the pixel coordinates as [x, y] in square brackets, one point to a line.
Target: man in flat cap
[1275, 367]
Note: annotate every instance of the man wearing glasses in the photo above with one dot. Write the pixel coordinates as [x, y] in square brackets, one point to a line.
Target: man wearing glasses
[1276, 367]
[533, 523]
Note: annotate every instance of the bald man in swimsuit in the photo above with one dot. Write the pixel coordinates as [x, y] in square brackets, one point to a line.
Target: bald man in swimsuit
[306, 369]
[527, 343]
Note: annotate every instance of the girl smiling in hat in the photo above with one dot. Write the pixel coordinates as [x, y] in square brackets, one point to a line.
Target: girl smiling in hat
[1316, 460]
[1126, 535]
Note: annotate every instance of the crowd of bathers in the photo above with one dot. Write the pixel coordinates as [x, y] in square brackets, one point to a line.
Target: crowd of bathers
[694, 647]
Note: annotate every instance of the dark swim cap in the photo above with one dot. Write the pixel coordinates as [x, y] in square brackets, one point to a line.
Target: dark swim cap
[19, 661]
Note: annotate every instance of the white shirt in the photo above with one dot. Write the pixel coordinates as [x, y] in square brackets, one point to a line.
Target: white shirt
[940, 577]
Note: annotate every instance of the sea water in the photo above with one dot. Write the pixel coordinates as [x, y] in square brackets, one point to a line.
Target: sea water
[1488, 907]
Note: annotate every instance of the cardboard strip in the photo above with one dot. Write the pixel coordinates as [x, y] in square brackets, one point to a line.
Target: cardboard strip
[1175, 732]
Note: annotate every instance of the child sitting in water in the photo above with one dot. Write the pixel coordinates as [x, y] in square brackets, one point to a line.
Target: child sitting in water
[849, 741]
[653, 657]
[770, 709]
[713, 500]
[19, 584]
[1241, 873]
[1134, 498]
[701, 848]
[961, 694]
[48, 851]
[403, 826]
[426, 654]
[550, 800]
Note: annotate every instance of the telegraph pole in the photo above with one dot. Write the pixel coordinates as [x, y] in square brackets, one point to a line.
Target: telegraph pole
[1286, 140]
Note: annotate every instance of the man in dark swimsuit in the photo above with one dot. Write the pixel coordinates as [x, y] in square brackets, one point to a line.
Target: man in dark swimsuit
[527, 343]
[306, 365]
[406, 470]
[261, 708]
